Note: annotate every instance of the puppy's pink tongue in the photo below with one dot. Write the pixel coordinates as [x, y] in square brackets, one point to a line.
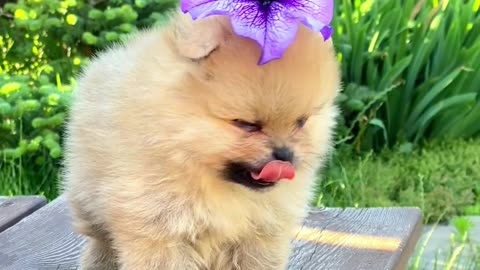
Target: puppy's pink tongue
[275, 171]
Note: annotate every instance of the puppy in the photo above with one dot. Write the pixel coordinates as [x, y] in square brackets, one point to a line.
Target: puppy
[183, 153]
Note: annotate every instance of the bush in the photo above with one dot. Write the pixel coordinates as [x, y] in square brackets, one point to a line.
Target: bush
[410, 69]
[442, 178]
[44, 45]
[56, 36]
[31, 116]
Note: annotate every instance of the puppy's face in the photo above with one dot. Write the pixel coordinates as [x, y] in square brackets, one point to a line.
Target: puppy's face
[251, 125]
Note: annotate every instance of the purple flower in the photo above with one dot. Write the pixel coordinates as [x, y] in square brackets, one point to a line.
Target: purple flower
[273, 24]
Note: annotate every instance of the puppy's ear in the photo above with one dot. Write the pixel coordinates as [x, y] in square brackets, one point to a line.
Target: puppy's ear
[198, 39]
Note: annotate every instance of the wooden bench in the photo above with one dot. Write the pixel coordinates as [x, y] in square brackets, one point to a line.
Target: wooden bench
[331, 239]
[12, 210]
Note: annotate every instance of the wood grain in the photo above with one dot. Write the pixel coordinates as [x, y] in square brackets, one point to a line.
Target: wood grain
[370, 239]
[43, 240]
[331, 239]
[13, 209]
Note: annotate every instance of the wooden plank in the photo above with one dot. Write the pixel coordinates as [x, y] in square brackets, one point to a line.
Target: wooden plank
[41, 241]
[370, 238]
[332, 239]
[13, 209]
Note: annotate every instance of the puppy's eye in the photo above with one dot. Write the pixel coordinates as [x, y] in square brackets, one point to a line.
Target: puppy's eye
[301, 122]
[247, 126]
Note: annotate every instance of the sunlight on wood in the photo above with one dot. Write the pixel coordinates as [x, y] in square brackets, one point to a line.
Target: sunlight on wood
[360, 241]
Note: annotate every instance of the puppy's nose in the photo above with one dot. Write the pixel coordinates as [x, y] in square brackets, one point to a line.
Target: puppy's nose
[283, 153]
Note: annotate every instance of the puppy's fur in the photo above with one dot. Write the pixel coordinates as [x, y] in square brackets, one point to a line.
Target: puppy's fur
[151, 134]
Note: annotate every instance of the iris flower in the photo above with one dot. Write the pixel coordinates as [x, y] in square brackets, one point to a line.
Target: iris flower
[273, 24]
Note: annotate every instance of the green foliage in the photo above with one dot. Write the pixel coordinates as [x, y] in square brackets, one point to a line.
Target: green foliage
[410, 69]
[31, 116]
[443, 179]
[43, 45]
[462, 253]
[43, 36]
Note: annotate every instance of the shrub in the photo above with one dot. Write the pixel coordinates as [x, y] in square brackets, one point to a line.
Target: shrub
[43, 45]
[442, 178]
[410, 69]
[56, 36]
[31, 116]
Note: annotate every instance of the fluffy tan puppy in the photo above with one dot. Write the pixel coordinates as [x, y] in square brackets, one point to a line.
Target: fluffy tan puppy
[169, 133]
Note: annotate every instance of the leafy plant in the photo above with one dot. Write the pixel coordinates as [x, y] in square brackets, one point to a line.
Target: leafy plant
[43, 46]
[461, 254]
[56, 36]
[441, 178]
[411, 70]
[32, 113]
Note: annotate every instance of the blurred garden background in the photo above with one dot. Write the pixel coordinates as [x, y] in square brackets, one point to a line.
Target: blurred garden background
[410, 124]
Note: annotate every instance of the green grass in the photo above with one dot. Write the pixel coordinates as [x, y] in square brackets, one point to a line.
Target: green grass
[24, 176]
[442, 178]
[461, 254]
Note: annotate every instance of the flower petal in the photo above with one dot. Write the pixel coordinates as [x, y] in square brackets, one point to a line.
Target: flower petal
[280, 33]
[204, 8]
[315, 14]
[187, 5]
[326, 32]
[272, 26]
[273, 30]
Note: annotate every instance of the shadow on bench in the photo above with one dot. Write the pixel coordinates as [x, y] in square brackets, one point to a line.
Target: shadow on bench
[330, 239]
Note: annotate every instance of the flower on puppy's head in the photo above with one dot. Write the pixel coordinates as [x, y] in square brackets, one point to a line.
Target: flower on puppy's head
[273, 24]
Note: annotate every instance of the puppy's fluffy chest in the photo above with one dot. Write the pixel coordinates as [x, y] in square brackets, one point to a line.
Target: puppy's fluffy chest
[232, 226]
[220, 217]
